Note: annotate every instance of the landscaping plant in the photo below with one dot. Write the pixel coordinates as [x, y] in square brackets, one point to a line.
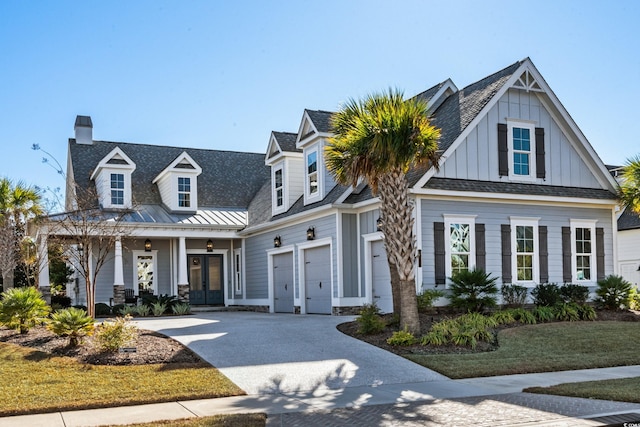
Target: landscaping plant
[613, 292]
[142, 310]
[112, 335]
[73, 323]
[427, 298]
[473, 290]
[369, 320]
[22, 308]
[158, 308]
[546, 295]
[574, 293]
[514, 295]
[181, 309]
[102, 309]
[403, 337]
[544, 313]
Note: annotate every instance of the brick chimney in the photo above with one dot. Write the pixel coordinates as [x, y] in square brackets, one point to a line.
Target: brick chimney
[84, 130]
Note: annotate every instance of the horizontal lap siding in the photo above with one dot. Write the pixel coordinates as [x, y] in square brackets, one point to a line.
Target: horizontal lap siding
[493, 215]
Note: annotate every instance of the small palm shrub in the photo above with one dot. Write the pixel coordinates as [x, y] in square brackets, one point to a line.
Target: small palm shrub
[403, 337]
[504, 317]
[427, 298]
[168, 300]
[465, 330]
[181, 309]
[586, 312]
[567, 312]
[514, 295]
[613, 292]
[369, 320]
[112, 335]
[127, 310]
[73, 323]
[102, 309]
[473, 290]
[546, 294]
[143, 310]
[158, 308]
[524, 316]
[574, 293]
[22, 308]
[544, 313]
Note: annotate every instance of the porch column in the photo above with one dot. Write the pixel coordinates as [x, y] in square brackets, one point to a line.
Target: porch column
[118, 275]
[43, 276]
[183, 279]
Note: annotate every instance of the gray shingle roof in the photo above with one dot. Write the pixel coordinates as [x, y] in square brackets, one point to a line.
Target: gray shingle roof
[228, 180]
[628, 220]
[429, 93]
[517, 188]
[287, 141]
[321, 119]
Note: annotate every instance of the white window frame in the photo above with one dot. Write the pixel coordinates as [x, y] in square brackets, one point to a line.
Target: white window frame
[154, 256]
[274, 190]
[308, 195]
[535, 262]
[189, 193]
[459, 219]
[523, 124]
[591, 225]
[117, 189]
[237, 271]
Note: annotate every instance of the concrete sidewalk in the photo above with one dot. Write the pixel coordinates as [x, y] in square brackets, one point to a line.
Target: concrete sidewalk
[483, 401]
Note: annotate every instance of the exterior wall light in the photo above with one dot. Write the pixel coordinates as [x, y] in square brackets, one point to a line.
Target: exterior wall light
[311, 233]
[379, 224]
[277, 242]
[209, 245]
[147, 245]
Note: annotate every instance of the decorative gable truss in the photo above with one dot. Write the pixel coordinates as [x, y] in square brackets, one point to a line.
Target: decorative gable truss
[286, 162]
[112, 178]
[178, 184]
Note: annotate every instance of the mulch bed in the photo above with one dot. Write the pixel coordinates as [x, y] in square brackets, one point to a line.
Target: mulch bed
[151, 348]
[427, 319]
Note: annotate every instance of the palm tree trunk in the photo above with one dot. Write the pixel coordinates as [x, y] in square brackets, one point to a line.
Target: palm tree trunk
[409, 317]
[395, 287]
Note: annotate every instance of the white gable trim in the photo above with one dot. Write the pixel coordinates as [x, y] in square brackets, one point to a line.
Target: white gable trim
[314, 131]
[172, 167]
[272, 149]
[104, 163]
[447, 85]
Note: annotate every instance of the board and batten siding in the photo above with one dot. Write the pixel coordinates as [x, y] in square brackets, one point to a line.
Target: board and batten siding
[368, 225]
[350, 255]
[476, 158]
[493, 215]
[294, 179]
[629, 255]
[257, 281]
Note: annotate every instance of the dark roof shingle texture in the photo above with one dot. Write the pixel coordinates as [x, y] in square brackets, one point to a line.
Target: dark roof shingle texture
[628, 220]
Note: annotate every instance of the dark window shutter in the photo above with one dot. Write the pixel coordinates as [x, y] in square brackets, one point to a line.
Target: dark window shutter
[505, 230]
[503, 150]
[481, 254]
[600, 253]
[540, 164]
[438, 242]
[566, 255]
[544, 254]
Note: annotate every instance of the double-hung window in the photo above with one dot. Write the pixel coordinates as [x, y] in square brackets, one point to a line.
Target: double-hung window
[583, 233]
[278, 188]
[460, 243]
[184, 192]
[525, 250]
[521, 140]
[312, 172]
[117, 189]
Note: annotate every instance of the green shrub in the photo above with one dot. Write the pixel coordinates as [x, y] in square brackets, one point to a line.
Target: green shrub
[143, 310]
[577, 294]
[473, 290]
[61, 300]
[127, 310]
[514, 295]
[181, 309]
[102, 309]
[546, 295]
[586, 312]
[465, 330]
[22, 308]
[403, 337]
[524, 316]
[504, 317]
[427, 298]
[544, 313]
[613, 293]
[112, 335]
[634, 299]
[166, 299]
[567, 312]
[158, 308]
[116, 309]
[73, 323]
[393, 320]
[369, 320]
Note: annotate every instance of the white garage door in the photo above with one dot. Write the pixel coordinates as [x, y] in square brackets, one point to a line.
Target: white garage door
[317, 280]
[381, 278]
[283, 283]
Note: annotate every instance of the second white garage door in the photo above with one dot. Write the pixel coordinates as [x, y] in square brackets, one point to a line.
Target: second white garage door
[317, 280]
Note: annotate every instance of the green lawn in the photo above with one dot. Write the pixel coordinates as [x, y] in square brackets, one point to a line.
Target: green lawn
[35, 382]
[235, 420]
[622, 390]
[544, 348]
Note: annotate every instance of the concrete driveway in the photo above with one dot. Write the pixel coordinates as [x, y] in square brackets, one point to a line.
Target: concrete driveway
[288, 354]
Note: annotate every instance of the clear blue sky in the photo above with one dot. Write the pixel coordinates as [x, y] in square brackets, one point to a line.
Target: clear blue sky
[223, 75]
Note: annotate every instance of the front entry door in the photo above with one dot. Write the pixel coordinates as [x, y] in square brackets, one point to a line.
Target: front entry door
[205, 280]
[283, 282]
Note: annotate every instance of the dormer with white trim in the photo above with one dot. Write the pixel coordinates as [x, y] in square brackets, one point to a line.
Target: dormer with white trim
[312, 137]
[447, 88]
[178, 184]
[112, 178]
[286, 162]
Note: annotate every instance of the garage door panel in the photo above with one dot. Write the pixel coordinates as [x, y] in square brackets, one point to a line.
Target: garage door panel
[317, 277]
[283, 283]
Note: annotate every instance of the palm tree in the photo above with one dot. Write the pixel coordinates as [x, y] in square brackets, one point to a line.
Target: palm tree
[19, 204]
[379, 139]
[629, 192]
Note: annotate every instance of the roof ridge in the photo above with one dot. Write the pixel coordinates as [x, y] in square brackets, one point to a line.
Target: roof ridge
[490, 76]
[172, 146]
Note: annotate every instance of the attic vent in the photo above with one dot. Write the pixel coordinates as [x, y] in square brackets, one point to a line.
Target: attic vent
[116, 161]
[528, 83]
[184, 166]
